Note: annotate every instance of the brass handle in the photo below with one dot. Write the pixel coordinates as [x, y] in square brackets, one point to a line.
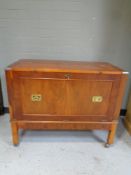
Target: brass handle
[97, 99]
[67, 76]
[36, 97]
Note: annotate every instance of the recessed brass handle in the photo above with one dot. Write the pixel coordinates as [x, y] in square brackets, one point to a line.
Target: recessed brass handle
[36, 97]
[67, 76]
[97, 99]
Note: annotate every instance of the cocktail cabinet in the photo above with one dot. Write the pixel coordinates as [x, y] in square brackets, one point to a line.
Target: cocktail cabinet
[64, 95]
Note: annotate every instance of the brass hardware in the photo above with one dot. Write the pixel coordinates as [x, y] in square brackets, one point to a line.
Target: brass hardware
[97, 99]
[36, 97]
[67, 76]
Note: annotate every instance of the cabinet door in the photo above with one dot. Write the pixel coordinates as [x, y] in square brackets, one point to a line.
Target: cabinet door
[64, 99]
[39, 98]
[91, 100]
[88, 97]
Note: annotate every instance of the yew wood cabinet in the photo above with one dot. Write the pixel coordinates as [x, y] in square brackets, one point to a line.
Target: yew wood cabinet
[64, 95]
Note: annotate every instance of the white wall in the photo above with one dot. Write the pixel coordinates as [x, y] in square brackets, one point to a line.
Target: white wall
[65, 29]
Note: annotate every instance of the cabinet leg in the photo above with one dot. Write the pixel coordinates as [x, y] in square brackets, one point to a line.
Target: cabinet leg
[15, 135]
[111, 135]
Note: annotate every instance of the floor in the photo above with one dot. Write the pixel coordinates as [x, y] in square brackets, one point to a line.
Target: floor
[64, 153]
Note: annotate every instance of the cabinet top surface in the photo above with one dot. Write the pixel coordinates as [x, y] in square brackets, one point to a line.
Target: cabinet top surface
[64, 66]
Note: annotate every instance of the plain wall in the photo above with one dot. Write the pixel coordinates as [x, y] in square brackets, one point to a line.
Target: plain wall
[67, 30]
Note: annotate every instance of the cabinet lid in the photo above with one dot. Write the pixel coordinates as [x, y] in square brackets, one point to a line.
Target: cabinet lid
[64, 66]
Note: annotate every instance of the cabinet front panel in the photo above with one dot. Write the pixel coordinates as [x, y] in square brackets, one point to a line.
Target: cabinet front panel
[65, 75]
[42, 96]
[58, 99]
[88, 97]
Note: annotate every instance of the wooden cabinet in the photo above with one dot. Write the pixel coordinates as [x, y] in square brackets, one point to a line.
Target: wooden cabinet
[64, 95]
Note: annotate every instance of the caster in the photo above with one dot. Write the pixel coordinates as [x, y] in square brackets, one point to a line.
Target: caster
[107, 145]
[15, 145]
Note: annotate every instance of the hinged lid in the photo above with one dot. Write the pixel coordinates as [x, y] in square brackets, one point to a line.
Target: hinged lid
[64, 66]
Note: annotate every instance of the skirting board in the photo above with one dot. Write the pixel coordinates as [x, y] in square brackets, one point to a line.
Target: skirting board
[122, 111]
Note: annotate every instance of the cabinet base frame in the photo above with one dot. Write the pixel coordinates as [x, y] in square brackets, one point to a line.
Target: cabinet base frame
[62, 125]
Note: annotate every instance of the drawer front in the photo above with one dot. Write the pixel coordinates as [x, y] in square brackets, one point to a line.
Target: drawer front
[74, 97]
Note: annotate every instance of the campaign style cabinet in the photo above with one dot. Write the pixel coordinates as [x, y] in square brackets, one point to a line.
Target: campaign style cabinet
[64, 95]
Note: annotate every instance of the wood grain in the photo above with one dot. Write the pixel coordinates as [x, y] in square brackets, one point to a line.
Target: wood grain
[65, 66]
[66, 89]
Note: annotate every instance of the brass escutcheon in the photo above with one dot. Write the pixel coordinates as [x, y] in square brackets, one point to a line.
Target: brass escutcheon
[68, 76]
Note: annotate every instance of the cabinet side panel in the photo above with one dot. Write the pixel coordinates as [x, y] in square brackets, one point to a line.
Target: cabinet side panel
[121, 90]
[9, 78]
[1, 100]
